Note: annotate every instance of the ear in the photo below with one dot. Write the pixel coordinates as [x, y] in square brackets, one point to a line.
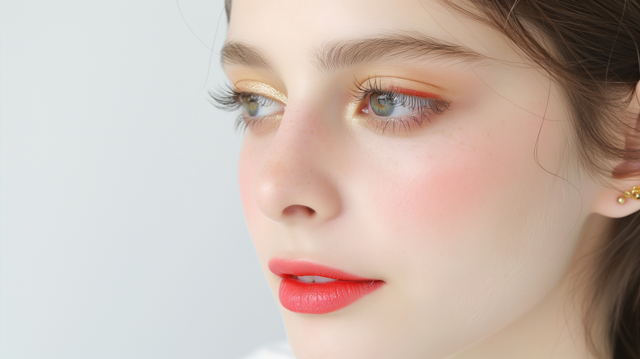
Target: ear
[626, 174]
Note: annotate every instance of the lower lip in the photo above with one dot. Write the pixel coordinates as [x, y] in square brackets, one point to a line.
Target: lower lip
[322, 298]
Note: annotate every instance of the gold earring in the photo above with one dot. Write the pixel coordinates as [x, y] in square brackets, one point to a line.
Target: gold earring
[635, 193]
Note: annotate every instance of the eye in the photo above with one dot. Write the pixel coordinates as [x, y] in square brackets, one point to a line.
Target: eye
[388, 105]
[395, 106]
[259, 112]
[397, 110]
[259, 106]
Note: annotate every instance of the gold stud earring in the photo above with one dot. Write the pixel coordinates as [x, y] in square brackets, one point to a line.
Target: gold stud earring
[635, 193]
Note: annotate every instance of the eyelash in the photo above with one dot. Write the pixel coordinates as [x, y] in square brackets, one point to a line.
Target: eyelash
[230, 99]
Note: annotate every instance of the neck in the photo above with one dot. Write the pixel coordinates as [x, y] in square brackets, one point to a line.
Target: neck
[554, 328]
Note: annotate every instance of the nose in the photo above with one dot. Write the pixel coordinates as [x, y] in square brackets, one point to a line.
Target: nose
[297, 180]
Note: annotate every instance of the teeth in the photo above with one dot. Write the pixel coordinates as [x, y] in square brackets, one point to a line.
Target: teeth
[314, 279]
[306, 278]
[318, 279]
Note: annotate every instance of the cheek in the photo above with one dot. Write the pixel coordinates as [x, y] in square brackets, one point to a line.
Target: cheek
[492, 172]
[258, 225]
[473, 225]
[456, 188]
[246, 173]
[248, 167]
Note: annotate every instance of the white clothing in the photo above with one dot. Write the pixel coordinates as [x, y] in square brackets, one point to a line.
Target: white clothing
[278, 350]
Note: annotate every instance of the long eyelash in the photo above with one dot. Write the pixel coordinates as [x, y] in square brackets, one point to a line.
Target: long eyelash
[225, 98]
[230, 99]
[367, 88]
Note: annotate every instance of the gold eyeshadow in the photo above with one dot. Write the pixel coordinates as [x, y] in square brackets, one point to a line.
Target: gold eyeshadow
[261, 88]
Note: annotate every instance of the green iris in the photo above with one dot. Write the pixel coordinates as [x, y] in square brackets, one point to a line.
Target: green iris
[382, 105]
[251, 104]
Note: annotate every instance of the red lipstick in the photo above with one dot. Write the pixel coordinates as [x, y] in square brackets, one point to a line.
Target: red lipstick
[335, 289]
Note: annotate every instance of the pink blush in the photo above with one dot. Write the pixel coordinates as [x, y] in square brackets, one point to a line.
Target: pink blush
[472, 183]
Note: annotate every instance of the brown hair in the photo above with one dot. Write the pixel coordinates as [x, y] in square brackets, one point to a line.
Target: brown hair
[589, 48]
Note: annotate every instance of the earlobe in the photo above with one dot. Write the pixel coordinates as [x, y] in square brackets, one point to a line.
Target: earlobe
[613, 203]
[634, 193]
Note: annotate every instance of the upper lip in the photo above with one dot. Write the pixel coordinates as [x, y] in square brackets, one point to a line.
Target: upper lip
[303, 267]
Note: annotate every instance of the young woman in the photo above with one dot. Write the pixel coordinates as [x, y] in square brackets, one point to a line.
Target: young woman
[443, 179]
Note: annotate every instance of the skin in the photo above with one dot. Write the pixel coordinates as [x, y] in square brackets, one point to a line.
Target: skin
[476, 241]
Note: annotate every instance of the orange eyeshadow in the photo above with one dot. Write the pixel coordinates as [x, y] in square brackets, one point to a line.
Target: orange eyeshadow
[415, 93]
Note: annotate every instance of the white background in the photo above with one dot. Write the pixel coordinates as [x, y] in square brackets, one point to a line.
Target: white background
[121, 229]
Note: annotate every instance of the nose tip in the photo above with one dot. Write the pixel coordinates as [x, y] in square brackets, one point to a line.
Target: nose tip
[295, 192]
[296, 180]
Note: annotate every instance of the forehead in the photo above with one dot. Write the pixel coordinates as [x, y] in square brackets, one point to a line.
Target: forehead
[291, 31]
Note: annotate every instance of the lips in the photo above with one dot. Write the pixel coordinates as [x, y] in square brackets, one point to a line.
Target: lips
[321, 289]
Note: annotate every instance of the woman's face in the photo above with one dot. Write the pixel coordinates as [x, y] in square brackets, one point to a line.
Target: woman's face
[402, 143]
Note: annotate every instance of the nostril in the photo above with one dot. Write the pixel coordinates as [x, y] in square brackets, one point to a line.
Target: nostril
[297, 209]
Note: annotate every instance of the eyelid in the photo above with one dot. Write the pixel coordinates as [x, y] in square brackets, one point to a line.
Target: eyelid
[415, 93]
[262, 89]
[404, 86]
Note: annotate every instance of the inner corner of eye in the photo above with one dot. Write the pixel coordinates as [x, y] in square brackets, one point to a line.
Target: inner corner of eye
[363, 107]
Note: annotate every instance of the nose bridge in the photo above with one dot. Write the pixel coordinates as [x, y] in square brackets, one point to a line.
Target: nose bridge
[299, 139]
[295, 180]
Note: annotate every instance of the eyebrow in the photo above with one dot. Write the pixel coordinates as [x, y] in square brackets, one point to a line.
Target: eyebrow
[342, 54]
[238, 53]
